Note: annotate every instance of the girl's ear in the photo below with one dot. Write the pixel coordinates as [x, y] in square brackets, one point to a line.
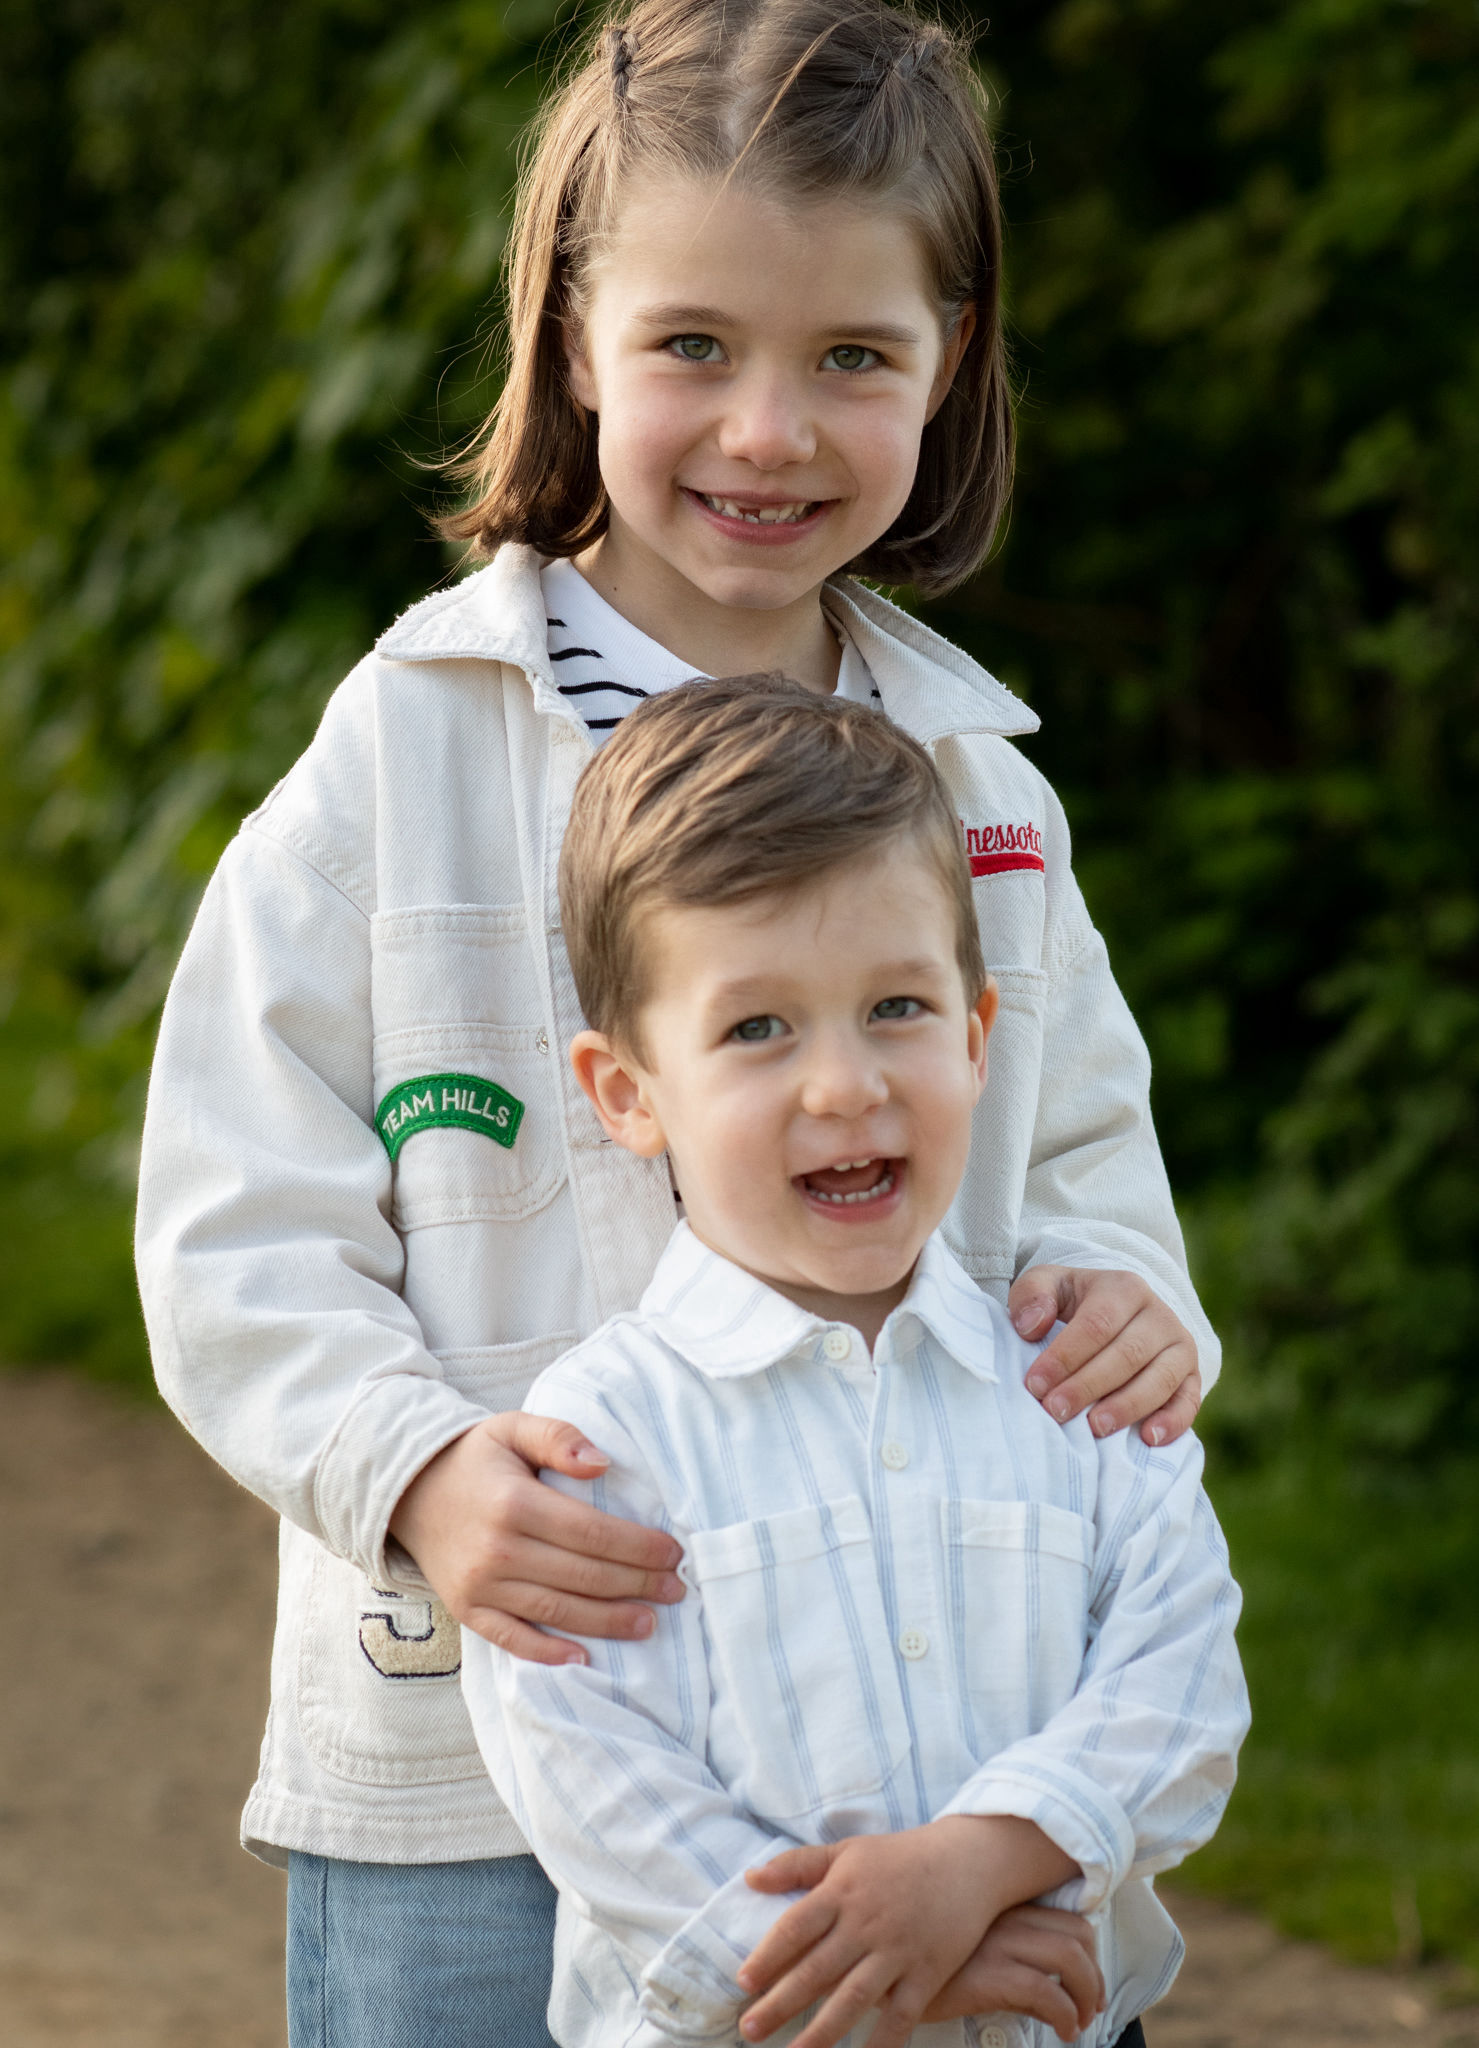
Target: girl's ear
[956, 343]
[612, 1080]
[578, 370]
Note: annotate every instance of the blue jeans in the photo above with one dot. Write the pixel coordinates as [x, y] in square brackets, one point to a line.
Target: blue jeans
[418, 1955]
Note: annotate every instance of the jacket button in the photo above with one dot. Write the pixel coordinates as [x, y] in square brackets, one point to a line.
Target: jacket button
[837, 1344]
[913, 1643]
[894, 1455]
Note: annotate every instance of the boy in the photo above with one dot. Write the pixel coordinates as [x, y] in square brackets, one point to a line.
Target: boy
[938, 1655]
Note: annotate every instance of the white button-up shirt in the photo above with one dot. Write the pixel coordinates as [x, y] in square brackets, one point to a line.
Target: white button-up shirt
[911, 1594]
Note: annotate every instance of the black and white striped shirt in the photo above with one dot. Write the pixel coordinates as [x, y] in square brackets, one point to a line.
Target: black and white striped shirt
[605, 666]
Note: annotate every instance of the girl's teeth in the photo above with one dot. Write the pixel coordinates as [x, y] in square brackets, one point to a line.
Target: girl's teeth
[765, 515]
[860, 1194]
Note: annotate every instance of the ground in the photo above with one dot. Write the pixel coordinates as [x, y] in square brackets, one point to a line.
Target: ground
[135, 1684]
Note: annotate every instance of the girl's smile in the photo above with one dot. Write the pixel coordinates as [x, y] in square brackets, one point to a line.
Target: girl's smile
[762, 370]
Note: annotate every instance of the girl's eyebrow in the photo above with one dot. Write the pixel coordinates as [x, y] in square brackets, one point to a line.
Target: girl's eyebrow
[684, 316]
[702, 318]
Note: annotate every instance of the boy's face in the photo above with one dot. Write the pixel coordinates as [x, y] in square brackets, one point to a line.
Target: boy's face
[814, 1065]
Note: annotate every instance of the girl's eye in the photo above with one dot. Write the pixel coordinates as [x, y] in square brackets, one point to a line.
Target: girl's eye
[695, 348]
[756, 1030]
[850, 356]
[893, 1008]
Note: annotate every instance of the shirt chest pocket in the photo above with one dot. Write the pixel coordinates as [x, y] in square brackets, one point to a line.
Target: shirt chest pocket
[466, 1093]
[1018, 1579]
[808, 1714]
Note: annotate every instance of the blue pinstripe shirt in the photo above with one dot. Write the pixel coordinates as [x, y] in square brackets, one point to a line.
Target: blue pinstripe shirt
[911, 1594]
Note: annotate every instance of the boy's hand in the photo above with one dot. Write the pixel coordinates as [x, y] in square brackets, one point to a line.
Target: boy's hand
[1120, 1340]
[1033, 1960]
[888, 1921]
[509, 1556]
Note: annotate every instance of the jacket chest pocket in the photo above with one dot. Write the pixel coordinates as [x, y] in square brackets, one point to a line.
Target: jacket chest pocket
[1018, 1573]
[465, 1089]
[808, 1713]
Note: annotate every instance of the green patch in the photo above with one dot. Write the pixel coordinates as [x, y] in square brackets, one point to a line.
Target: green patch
[436, 1101]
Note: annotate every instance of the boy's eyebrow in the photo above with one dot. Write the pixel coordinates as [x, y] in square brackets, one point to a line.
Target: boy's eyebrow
[696, 319]
[770, 987]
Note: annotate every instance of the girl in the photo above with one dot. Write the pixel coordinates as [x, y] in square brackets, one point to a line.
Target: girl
[755, 342]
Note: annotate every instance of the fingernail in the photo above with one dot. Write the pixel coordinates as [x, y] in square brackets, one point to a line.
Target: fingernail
[1029, 1316]
[587, 1454]
[670, 1587]
[743, 1979]
[1155, 1435]
[1037, 1383]
[644, 1624]
[1060, 1407]
[1102, 1425]
[575, 1655]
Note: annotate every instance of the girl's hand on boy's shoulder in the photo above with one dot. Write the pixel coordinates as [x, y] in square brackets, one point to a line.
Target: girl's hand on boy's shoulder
[1123, 1354]
[511, 1557]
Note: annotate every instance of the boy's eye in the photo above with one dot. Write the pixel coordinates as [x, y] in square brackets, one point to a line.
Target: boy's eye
[755, 1030]
[850, 356]
[892, 1008]
[696, 348]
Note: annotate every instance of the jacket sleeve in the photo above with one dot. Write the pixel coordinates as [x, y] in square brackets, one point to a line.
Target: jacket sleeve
[603, 1766]
[1096, 1193]
[1133, 1773]
[267, 1262]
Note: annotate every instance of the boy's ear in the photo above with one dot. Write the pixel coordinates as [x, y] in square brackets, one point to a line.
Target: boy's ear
[957, 341]
[982, 1017]
[613, 1082]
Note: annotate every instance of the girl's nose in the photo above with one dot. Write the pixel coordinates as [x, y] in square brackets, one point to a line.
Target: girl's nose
[767, 425]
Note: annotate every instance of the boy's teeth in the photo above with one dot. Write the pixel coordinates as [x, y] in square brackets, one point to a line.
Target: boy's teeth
[872, 1194]
[763, 515]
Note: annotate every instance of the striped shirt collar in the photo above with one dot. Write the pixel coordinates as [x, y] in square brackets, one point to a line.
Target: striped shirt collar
[726, 1323]
[928, 686]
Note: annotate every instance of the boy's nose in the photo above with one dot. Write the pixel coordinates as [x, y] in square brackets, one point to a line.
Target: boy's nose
[841, 1085]
[767, 426]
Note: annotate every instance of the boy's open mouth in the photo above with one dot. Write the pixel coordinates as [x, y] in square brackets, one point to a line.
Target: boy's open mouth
[853, 1185]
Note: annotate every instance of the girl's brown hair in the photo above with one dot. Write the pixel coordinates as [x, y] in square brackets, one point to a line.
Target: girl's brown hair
[817, 98]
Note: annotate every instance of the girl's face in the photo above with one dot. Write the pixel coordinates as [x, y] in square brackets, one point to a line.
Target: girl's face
[762, 370]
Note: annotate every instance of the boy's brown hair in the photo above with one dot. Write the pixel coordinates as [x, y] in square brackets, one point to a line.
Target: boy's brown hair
[815, 99]
[719, 792]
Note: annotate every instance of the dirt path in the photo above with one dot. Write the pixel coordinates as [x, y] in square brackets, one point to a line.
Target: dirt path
[131, 1704]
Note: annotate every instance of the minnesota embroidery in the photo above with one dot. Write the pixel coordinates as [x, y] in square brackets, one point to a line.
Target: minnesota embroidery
[438, 1100]
[1002, 849]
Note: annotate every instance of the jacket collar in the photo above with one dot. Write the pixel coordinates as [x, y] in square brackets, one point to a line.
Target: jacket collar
[927, 685]
[728, 1325]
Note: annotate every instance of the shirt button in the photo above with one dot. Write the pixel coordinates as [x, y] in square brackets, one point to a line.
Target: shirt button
[837, 1344]
[912, 1644]
[993, 2037]
[894, 1455]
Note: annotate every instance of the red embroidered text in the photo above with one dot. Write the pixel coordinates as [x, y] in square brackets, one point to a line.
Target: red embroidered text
[1002, 849]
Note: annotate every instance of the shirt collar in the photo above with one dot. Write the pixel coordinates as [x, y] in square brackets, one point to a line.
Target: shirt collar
[928, 686]
[728, 1324]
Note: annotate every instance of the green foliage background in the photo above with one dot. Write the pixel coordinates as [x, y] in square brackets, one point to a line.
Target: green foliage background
[250, 261]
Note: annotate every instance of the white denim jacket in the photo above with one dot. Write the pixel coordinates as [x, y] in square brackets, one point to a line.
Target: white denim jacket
[325, 1317]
